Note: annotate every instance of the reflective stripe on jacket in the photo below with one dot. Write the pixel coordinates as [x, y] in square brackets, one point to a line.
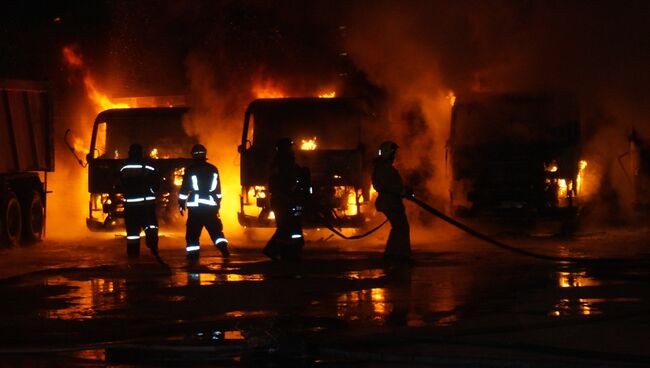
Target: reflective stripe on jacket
[138, 182]
[201, 186]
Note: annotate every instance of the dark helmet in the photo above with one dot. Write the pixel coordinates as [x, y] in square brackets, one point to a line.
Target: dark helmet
[387, 150]
[199, 152]
[135, 152]
[284, 145]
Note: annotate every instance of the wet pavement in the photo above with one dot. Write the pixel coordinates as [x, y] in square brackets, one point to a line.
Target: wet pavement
[460, 303]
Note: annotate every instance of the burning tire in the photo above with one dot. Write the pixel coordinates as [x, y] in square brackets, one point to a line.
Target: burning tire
[11, 222]
[33, 218]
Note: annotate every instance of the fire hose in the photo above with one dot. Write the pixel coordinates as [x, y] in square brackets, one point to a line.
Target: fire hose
[503, 245]
[331, 228]
[476, 234]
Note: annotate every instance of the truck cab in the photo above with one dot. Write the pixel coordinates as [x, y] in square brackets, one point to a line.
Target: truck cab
[328, 135]
[166, 145]
[515, 155]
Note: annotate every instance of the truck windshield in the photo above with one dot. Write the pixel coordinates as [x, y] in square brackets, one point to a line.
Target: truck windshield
[519, 122]
[310, 128]
[161, 137]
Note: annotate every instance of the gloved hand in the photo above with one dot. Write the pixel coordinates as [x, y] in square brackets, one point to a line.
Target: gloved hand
[181, 206]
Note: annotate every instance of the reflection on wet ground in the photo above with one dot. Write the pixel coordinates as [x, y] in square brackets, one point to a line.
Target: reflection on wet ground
[251, 301]
[419, 295]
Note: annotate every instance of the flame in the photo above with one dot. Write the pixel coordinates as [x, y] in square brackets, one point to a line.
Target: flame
[552, 167]
[267, 89]
[308, 144]
[178, 176]
[451, 97]
[98, 98]
[352, 209]
[580, 178]
[562, 188]
[154, 153]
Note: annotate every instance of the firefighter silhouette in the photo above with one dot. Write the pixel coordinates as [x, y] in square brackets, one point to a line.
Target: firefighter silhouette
[390, 189]
[289, 186]
[200, 193]
[139, 183]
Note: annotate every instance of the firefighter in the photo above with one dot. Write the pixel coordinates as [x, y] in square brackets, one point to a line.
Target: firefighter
[139, 183]
[289, 186]
[200, 193]
[390, 188]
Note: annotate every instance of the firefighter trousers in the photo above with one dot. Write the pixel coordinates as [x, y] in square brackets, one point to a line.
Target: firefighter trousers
[399, 239]
[287, 241]
[138, 217]
[197, 219]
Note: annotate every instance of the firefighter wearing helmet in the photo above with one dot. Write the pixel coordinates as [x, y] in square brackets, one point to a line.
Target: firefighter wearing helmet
[391, 189]
[289, 186]
[200, 194]
[139, 182]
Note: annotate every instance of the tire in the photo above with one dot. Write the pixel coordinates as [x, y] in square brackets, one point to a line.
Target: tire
[11, 222]
[33, 218]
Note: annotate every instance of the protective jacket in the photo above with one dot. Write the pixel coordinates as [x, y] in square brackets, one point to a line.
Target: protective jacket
[201, 193]
[389, 186]
[201, 186]
[139, 182]
[289, 186]
[391, 189]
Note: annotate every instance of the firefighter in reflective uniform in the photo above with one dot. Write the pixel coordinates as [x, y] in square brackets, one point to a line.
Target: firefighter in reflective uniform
[289, 186]
[139, 183]
[200, 193]
[388, 183]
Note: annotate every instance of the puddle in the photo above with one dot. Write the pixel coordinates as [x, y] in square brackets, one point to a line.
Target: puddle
[575, 306]
[567, 279]
[375, 306]
[207, 278]
[237, 314]
[365, 274]
[219, 335]
[85, 298]
[585, 306]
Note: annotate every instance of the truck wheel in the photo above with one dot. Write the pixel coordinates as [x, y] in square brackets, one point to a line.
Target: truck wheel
[11, 220]
[33, 217]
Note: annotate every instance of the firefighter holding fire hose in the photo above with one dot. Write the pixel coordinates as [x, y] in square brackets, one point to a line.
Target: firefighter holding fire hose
[200, 193]
[289, 187]
[390, 188]
[139, 183]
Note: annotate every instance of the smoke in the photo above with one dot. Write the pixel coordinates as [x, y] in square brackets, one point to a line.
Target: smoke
[216, 119]
[418, 52]
[409, 55]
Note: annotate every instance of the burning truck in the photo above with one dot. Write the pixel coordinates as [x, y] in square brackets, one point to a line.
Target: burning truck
[329, 137]
[515, 155]
[26, 156]
[160, 131]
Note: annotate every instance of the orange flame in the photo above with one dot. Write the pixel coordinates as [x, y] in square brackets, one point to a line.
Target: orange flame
[99, 99]
[330, 94]
[452, 98]
[308, 144]
[267, 89]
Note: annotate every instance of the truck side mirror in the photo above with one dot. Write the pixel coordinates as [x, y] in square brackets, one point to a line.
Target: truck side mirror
[72, 150]
[243, 147]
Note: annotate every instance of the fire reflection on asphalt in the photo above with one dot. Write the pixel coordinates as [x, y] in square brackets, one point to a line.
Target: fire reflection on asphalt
[85, 298]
